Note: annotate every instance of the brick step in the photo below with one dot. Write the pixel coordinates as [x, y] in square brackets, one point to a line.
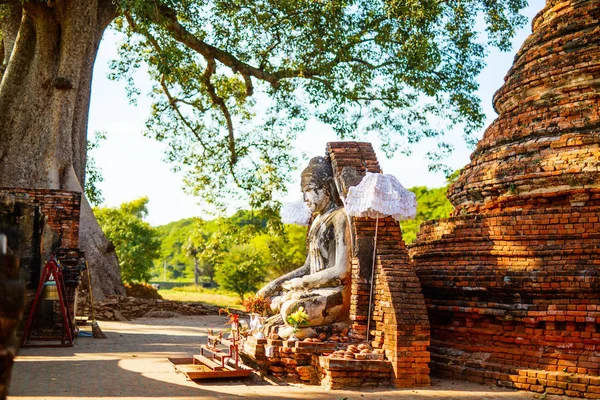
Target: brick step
[473, 364]
[550, 382]
[208, 362]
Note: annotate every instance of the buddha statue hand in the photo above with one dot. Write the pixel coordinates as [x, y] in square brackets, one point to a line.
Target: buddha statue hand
[294, 284]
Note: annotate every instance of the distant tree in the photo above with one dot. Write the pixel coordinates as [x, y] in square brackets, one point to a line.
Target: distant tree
[214, 250]
[206, 249]
[192, 248]
[283, 253]
[93, 173]
[136, 242]
[242, 271]
[177, 271]
[173, 237]
[431, 204]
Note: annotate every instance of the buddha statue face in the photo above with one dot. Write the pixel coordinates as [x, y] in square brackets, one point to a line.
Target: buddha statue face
[317, 185]
[316, 199]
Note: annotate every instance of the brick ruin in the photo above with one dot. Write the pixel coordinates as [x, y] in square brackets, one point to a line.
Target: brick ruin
[399, 326]
[511, 279]
[399, 322]
[39, 223]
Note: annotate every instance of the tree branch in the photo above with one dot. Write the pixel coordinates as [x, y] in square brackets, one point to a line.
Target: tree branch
[183, 36]
[163, 85]
[173, 104]
[211, 68]
[167, 18]
[218, 101]
[107, 12]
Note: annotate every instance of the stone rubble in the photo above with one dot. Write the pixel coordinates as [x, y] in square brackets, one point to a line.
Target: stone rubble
[121, 308]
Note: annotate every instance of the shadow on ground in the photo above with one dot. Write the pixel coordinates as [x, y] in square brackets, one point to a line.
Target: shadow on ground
[132, 364]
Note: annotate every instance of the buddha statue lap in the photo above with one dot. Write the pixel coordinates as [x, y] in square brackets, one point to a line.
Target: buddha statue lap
[322, 285]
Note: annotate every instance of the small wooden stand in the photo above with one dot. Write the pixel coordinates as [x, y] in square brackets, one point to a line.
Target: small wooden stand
[217, 362]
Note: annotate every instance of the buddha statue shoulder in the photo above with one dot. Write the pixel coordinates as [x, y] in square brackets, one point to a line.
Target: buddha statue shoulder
[322, 285]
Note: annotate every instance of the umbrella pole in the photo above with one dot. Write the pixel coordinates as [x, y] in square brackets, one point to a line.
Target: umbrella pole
[372, 279]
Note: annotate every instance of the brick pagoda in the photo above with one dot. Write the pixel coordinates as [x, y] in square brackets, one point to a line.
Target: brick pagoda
[511, 280]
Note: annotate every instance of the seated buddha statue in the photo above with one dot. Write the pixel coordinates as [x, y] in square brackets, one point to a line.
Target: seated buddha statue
[322, 285]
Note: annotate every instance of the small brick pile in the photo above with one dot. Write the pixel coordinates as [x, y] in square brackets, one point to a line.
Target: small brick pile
[305, 362]
[399, 322]
[511, 280]
[60, 207]
[341, 374]
[295, 360]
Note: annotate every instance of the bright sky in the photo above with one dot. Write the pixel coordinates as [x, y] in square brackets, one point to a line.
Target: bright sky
[133, 165]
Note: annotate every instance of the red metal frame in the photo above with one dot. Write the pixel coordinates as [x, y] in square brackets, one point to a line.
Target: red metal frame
[52, 271]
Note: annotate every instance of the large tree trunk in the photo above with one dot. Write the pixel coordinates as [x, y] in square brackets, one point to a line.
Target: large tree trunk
[44, 104]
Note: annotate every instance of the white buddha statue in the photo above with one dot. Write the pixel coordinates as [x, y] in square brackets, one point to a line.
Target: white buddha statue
[322, 284]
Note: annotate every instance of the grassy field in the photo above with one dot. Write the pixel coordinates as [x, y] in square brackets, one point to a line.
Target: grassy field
[215, 297]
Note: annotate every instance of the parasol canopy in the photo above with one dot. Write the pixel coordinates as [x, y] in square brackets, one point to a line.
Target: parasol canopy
[296, 212]
[379, 196]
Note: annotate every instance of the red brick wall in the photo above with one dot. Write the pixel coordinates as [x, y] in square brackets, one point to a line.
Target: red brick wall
[511, 284]
[399, 321]
[60, 207]
[512, 280]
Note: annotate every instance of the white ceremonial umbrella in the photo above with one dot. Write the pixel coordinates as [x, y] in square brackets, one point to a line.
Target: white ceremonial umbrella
[378, 196]
[296, 212]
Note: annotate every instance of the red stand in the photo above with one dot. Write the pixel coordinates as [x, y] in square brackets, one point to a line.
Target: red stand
[52, 272]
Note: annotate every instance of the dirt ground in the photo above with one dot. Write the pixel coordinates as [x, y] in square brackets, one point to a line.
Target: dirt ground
[132, 364]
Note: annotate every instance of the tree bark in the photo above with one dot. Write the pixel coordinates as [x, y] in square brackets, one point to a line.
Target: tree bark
[9, 26]
[44, 104]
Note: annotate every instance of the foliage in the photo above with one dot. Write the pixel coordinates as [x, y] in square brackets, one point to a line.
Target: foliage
[283, 253]
[243, 271]
[208, 241]
[211, 251]
[93, 173]
[233, 317]
[404, 70]
[297, 319]
[173, 236]
[142, 290]
[136, 243]
[257, 304]
[431, 204]
[214, 296]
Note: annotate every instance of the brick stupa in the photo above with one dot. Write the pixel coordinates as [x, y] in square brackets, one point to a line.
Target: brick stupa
[511, 280]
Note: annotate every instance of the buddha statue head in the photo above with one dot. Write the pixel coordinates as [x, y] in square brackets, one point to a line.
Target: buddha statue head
[318, 186]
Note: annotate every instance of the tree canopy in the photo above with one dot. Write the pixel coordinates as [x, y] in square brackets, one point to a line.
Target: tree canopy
[235, 82]
[403, 70]
[212, 243]
[242, 271]
[136, 242]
